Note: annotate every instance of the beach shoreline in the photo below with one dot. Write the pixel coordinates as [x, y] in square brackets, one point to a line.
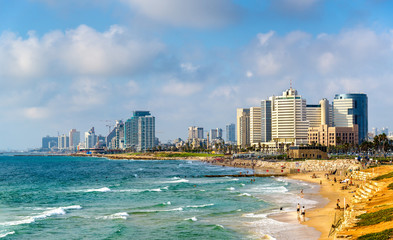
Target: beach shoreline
[321, 218]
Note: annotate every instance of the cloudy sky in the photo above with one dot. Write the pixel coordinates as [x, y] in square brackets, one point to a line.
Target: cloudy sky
[83, 63]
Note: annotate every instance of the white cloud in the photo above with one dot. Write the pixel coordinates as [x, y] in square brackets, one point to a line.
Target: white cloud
[36, 113]
[326, 62]
[224, 91]
[190, 13]
[188, 67]
[264, 37]
[249, 74]
[183, 89]
[267, 65]
[77, 51]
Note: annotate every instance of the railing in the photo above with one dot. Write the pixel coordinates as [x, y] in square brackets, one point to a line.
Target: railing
[338, 220]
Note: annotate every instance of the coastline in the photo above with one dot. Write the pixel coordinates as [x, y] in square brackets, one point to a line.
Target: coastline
[320, 218]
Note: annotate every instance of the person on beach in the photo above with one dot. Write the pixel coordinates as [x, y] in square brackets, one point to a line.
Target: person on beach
[298, 208]
[338, 204]
[304, 214]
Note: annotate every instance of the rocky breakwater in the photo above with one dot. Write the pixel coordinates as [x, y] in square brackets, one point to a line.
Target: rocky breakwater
[310, 165]
[292, 166]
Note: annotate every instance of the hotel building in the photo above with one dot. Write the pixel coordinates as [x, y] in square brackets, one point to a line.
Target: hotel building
[289, 120]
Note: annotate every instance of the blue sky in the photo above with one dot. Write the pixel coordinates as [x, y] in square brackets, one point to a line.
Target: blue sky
[79, 63]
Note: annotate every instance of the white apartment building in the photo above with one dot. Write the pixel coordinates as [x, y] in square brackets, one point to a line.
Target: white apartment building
[255, 125]
[289, 121]
[243, 127]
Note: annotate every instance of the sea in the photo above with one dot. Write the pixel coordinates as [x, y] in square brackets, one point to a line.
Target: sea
[64, 197]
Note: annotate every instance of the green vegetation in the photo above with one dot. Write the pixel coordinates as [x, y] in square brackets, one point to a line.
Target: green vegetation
[390, 186]
[384, 235]
[188, 154]
[389, 175]
[134, 153]
[367, 219]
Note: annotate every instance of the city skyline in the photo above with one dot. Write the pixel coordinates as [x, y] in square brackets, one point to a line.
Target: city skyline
[78, 64]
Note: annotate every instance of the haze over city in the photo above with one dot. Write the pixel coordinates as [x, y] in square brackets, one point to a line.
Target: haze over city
[80, 64]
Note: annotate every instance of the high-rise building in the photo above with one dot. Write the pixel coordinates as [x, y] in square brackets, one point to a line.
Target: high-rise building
[314, 115]
[243, 127]
[230, 133]
[195, 133]
[90, 138]
[116, 136]
[139, 131]
[255, 125]
[63, 142]
[215, 133]
[350, 109]
[119, 142]
[49, 142]
[289, 123]
[75, 137]
[266, 120]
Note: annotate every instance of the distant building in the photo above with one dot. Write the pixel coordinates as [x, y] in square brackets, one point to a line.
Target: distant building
[75, 137]
[350, 109]
[243, 127]
[139, 131]
[195, 133]
[90, 138]
[266, 120]
[49, 142]
[230, 133]
[115, 139]
[63, 142]
[215, 133]
[255, 125]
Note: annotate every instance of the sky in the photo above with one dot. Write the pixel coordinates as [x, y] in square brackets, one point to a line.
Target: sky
[84, 63]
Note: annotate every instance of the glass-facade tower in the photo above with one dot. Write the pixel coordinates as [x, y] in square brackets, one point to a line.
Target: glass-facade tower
[350, 109]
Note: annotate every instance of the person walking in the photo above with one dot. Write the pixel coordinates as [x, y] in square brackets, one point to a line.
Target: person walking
[303, 214]
[298, 208]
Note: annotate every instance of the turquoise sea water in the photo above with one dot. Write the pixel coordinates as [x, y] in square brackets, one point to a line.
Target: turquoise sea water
[57, 197]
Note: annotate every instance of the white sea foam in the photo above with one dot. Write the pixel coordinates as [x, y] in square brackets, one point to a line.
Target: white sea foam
[245, 195]
[253, 215]
[6, 234]
[231, 189]
[104, 189]
[167, 203]
[119, 215]
[242, 184]
[139, 190]
[194, 219]
[220, 226]
[177, 181]
[175, 178]
[200, 206]
[49, 213]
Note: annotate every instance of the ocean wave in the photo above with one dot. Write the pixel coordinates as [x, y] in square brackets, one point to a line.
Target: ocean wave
[253, 215]
[6, 234]
[104, 189]
[140, 190]
[219, 226]
[46, 214]
[158, 210]
[231, 189]
[119, 215]
[200, 206]
[245, 195]
[177, 181]
[194, 219]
